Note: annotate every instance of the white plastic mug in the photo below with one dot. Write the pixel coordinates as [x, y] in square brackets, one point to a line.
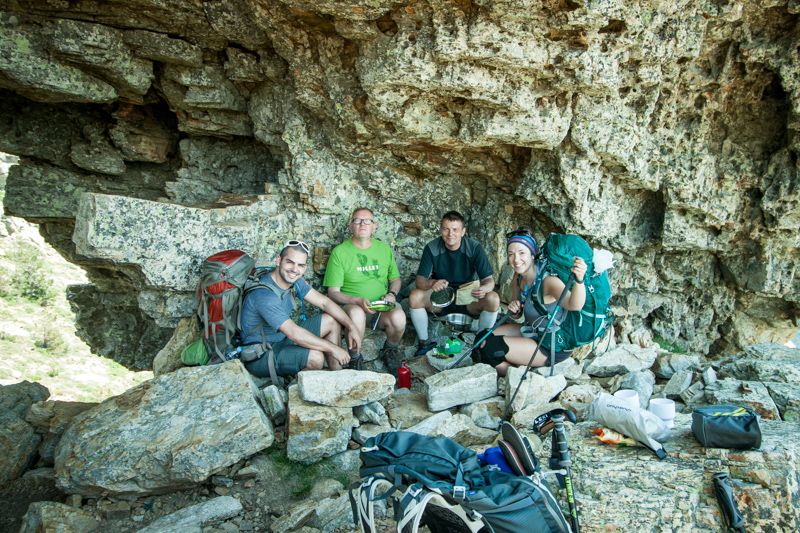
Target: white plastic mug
[664, 409]
[629, 397]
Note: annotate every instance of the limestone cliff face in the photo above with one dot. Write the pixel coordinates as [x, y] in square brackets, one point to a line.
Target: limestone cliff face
[153, 133]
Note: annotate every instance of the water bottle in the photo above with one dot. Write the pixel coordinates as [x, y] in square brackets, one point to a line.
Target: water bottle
[233, 353]
[404, 376]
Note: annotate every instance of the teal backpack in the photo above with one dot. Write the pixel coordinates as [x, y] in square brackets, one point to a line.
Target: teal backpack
[590, 323]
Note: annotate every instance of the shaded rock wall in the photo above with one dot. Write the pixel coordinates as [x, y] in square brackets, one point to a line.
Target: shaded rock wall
[153, 133]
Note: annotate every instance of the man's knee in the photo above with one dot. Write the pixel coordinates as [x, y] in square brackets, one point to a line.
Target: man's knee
[396, 321]
[328, 324]
[357, 315]
[418, 298]
[316, 360]
[491, 302]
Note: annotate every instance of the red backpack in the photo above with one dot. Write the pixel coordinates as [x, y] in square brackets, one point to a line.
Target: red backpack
[219, 300]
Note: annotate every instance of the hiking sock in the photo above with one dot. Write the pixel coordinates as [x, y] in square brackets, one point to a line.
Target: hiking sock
[388, 344]
[419, 317]
[487, 319]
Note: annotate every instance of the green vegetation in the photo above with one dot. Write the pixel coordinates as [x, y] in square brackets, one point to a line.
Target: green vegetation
[29, 278]
[301, 478]
[670, 346]
[37, 336]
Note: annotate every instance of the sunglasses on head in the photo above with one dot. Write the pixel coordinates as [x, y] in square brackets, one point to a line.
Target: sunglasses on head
[301, 244]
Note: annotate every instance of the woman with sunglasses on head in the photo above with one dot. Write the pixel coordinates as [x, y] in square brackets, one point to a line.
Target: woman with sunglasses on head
[533, 296]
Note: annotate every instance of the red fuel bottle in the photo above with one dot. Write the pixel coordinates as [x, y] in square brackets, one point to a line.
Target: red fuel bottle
[404, 376]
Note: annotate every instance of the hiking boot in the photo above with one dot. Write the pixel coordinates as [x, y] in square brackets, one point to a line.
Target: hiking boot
[356, 361]
[391, 356]
[424, 347]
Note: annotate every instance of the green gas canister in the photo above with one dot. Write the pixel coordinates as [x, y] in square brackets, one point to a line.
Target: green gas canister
[450, 346]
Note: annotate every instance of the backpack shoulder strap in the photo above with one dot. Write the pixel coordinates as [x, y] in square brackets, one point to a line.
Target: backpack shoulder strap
[418, 502]
[362, 501]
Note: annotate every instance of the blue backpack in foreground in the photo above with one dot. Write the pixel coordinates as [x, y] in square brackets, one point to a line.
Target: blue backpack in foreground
[593, 320]
[445, 488]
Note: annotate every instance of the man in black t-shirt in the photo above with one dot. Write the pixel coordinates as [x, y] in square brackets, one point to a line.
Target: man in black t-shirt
[452, 260]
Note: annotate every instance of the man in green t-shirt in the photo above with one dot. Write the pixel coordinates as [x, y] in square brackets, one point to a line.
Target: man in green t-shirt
[362, 270]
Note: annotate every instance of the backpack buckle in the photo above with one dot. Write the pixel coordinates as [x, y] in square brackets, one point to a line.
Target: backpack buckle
[459, 492]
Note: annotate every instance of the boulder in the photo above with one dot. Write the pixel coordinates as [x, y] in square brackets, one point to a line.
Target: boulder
[708, 375]
[782, 371]
[167, 433]
[196, 517]
[168, 359]
[695, 394]
[486, 413]
[668, 363]
[371, 345]
[578, 398]
[275, 403]
[373, 413]
[343, 388]
[753, 394]
[365, 431]
[768, 351]
[18, 397]
[324, 515]
[57, 517]
[458, 427]
[569, 368]
[787, 398]
[51, 418]
[406, 410]
[460, 386]
[623, 359]
[525, 417]
[429, 425]
[18, 439]
[677, 384]
[536, 390]
[316, 431]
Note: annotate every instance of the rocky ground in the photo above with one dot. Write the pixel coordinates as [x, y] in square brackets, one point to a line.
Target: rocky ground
[208, 442]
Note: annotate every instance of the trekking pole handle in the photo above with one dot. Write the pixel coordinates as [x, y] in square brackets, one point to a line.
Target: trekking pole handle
[567, 286]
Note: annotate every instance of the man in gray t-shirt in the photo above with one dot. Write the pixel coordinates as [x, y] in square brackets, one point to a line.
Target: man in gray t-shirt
[266, 316]
[449, 261]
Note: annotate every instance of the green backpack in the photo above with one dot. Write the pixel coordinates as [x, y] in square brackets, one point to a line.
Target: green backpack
[577, 327]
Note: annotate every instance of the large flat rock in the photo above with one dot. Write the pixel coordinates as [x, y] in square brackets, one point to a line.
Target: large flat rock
[167, 433]
[623, 359]
[460, 386]
[750, 393]
[344, 388]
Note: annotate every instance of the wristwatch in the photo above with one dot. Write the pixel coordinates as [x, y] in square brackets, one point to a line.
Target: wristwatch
[392, 293]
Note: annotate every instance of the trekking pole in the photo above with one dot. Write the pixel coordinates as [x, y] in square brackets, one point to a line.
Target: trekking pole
[478, 342]
[559, 455]
[562, 459]
[567, 286]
